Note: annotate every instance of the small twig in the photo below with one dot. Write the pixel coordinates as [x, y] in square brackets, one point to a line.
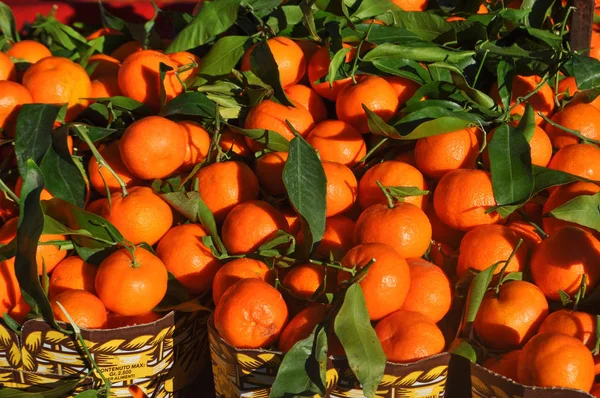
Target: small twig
[507, 262]
[9, 192]
[480, 67]
[101, 162]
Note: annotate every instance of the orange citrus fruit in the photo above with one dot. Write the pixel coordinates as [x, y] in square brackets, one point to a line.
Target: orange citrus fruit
[8, 70]
[462, 198]
[139, 77]
[58, 80]
[387, 282]
[341, 188]
[371, 91]
[224, 185]
[153, 147]
[439, 154]
[12, 97]
[141, 216]
[197, 143]
[301, 326]
[101, 178]
[338, 141]
[288, 56]
[430, 291]
[392, 174]
[488, 244]
[129, 288]
[556, 360]
[309, 99]
[407, 336]
[318, 67]
[187, 258]
[85, 309]
[582, 160]
[249, 225]
[250, 314]
[581, 117]
[28, 50]
[507, 320]
[72, 273]
[269, 115]
[236, 270]
[269, 170]
[405, 227]
[559, 262]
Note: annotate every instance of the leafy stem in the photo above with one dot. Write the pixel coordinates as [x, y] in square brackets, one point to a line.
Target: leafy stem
[77, 331]
[358, 49]
[80, 129]
[387, 194]
[9, 192]
[570, 131]
[506, 263]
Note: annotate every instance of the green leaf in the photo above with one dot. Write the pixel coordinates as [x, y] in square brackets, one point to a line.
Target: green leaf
[109, 20]
[270, 139]
[477, 291]
[464, 348]
[31, 224]
[34, 133]
[60, 389]
[87, 394]
[371, 8]
[8, 250]
[461, 83]
[513, 276]
[264, 66]
[63, 178]
[363, 349]
[441, 125]
[191, 205]
[223, 56]
[544, 178]
[306, 184]
[214, 18]
[7, 23]
[102, 233]
[378, 34]
[263, 5]
[510, 163]
[587, 72]
[338, 61]
[425, 25]
[583, 210]
[191, 103]
[468, 33]
[378, 126]
[565, 299]
[418, 51]
[400, 193]
[302, 371]
[402, 67]
[549, 38]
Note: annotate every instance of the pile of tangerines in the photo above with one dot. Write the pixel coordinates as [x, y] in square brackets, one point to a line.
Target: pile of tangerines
[419, 247]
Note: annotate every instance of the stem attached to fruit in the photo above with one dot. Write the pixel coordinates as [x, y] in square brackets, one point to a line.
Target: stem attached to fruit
[507, 262]
[387, 194]
[80, 130]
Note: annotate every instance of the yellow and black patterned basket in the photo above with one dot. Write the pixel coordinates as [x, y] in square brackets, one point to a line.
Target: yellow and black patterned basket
[250, 373]
[487, 384]
[161, 357]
